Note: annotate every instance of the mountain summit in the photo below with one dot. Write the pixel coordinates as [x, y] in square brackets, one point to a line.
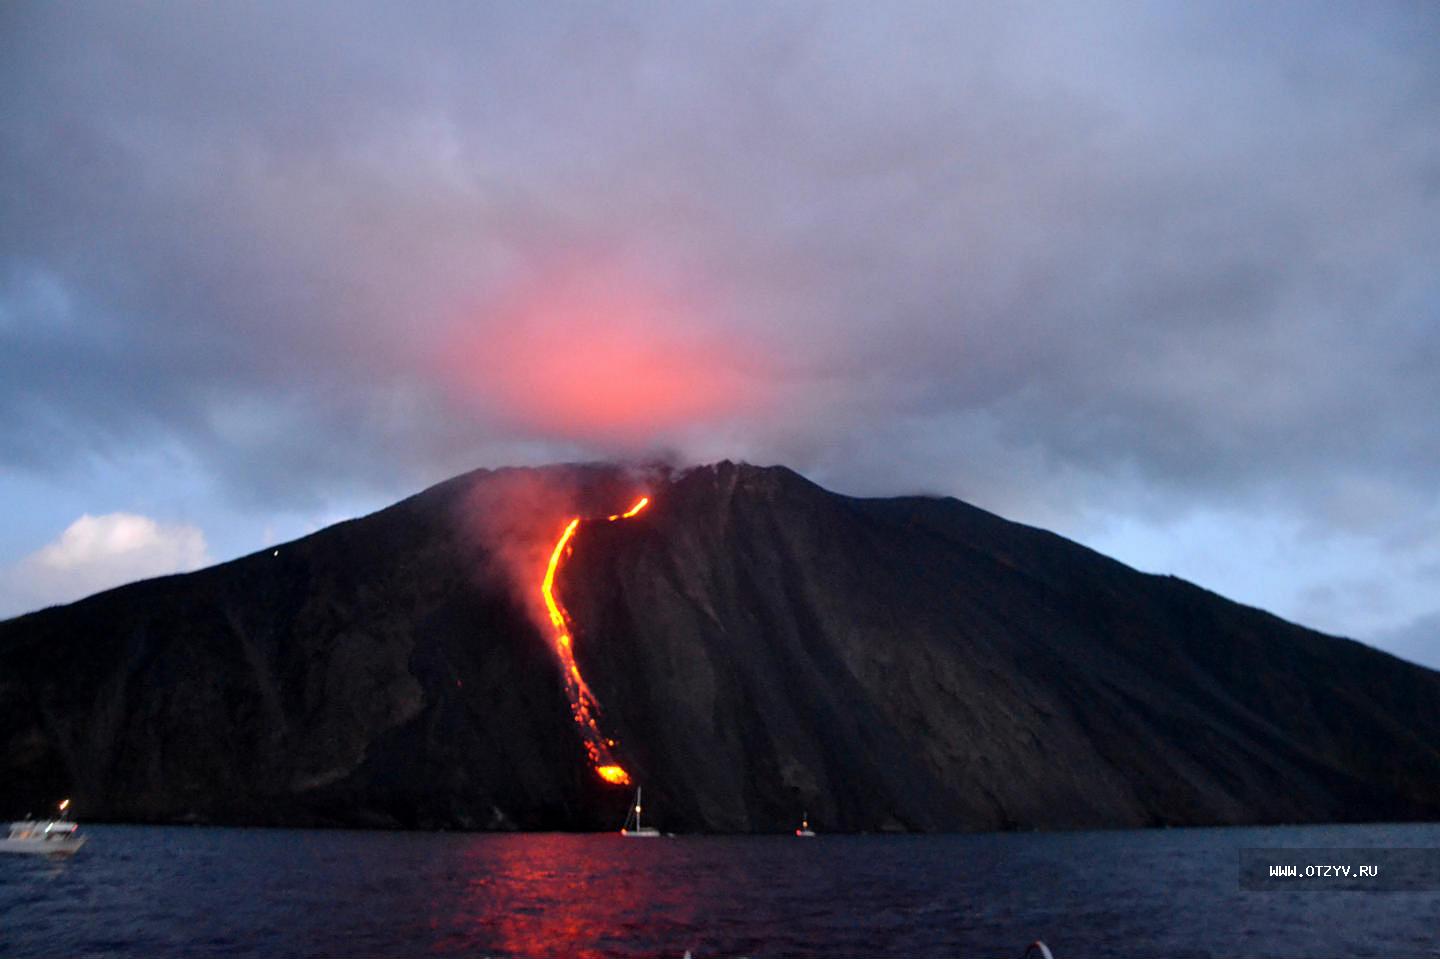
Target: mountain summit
[757, 647]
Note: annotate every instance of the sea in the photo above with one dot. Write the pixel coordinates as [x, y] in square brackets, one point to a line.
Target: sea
[149, 891]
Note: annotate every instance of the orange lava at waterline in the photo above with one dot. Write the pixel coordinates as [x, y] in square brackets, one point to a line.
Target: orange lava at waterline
[583, 705]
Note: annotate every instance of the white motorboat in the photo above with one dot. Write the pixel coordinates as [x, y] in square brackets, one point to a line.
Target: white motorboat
[44, 837]
[639, 831]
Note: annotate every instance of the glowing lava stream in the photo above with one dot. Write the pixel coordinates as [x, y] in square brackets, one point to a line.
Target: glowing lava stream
[583, 705]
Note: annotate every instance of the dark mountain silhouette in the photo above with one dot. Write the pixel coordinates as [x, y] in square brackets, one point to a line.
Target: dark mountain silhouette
[760, 647]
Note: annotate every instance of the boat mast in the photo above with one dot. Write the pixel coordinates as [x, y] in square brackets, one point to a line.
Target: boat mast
[637, 808]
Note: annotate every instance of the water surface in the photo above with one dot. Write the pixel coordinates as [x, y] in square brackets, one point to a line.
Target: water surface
[160, 891]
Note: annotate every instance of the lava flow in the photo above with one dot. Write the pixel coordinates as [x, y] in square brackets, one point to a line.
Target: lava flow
[583, 705]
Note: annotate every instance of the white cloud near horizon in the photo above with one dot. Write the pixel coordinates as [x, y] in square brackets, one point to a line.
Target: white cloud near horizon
[96, 553]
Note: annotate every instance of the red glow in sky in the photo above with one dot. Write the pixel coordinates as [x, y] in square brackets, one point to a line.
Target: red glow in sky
[585, 358]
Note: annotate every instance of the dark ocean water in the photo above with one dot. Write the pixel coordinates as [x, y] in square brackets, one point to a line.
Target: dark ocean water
[149, 891]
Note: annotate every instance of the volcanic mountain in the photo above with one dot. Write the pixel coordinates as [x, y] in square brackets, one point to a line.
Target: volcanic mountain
[757, 646]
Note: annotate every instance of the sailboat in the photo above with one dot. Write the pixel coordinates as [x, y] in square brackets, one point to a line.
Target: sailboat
[639, 832]
[805, 832]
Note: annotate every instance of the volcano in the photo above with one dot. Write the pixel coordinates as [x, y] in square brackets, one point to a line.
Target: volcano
[756, 646]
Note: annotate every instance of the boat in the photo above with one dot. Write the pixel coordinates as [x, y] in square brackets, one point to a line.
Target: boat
[805, 832]
[44, 837]
[639, 832]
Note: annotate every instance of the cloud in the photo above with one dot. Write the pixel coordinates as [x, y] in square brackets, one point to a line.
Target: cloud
[95, 553]
[1174, 244]
[595, 355]
[1417, 641]
[1068, 263]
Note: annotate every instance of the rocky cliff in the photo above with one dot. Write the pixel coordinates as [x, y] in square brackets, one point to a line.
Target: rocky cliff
[760, 647]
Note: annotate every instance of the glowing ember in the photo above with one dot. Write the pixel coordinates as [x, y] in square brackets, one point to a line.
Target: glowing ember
[583, 705]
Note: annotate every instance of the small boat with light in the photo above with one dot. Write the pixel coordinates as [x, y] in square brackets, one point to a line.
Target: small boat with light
[639, 831]
[44, 837]
[805, 832]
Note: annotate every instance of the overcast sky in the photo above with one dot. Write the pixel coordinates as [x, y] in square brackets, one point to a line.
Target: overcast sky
[1162, 277]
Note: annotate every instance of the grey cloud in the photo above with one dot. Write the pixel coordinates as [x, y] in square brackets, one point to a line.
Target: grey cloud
[1418, 641]
[1186, 250]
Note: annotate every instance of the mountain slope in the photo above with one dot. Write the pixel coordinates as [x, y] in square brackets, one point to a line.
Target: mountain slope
[760, 647]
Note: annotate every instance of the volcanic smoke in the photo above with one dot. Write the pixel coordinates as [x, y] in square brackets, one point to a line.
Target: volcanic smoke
[583, 705]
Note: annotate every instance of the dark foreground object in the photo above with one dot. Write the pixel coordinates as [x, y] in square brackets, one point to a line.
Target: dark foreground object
[762, 647]
[158, 892]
